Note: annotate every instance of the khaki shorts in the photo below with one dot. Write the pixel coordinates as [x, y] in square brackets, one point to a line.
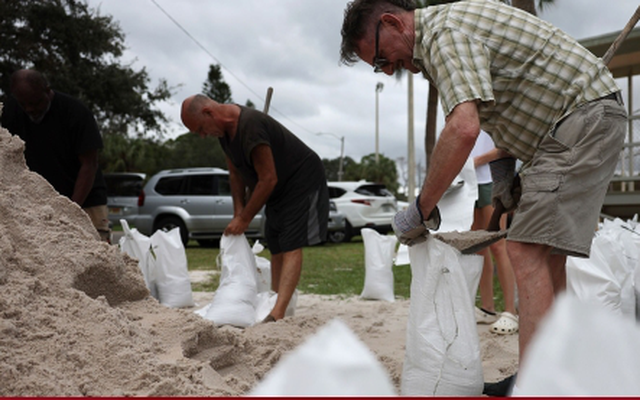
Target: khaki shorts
[564, 185]
[100, 218]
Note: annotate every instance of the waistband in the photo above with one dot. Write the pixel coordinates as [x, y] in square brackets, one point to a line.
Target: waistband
[615, 96]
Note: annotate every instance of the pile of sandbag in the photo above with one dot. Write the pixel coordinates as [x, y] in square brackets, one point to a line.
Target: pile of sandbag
[163, 262]
[611, 275]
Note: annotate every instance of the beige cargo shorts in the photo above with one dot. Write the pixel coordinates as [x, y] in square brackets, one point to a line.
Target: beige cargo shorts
[100, 218]
[564, 185]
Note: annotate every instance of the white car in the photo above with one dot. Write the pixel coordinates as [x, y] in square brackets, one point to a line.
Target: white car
[364, 205]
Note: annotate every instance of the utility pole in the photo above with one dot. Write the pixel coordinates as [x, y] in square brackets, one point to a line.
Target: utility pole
[379, 87]
[341, 138]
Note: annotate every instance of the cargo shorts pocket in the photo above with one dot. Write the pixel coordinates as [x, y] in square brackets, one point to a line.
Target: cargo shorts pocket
[539, 192]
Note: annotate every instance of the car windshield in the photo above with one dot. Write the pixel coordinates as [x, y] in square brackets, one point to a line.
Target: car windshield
[123, 185]
[373, 190]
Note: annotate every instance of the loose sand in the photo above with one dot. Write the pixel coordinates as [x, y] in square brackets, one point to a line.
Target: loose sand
[78, 320]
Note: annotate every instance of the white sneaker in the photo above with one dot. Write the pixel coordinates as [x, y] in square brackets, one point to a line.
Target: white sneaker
[483, 317]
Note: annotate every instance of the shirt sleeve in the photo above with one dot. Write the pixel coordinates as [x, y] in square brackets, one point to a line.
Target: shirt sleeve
[459, 67]
[255, 136]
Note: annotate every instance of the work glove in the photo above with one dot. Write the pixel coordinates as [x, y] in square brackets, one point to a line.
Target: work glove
[506, 184]
[410, 227]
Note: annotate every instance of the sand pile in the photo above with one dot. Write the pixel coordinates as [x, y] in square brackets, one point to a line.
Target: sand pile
[77, 319]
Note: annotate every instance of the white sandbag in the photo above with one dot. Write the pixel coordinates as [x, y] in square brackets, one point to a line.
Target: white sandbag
[332, 362]
[137, 245]
[402, 255]
[378, 262]
[635, 236]
[456, 205]
[234, 302]
[582, 349]
[267, 300]
[264, 268]
[607, 275]
[172, 274]
[442, 356]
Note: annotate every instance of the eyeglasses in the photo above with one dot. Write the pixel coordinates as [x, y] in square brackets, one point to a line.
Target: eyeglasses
[378, 62]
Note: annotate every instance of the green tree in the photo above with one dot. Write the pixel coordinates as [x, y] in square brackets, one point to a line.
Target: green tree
[126, 154]
[79, 51]
[383, 171]
[189, 151]
[332, 167]
[215, 87]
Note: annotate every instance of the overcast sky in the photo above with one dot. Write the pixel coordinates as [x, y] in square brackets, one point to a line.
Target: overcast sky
[293, 46]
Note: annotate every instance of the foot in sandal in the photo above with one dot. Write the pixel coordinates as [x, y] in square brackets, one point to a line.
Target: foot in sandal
[507, 324]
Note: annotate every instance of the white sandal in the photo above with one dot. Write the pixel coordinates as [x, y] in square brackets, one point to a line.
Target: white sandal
[506, 325]
[483, 317]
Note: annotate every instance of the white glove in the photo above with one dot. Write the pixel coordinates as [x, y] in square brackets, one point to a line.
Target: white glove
[410, 227]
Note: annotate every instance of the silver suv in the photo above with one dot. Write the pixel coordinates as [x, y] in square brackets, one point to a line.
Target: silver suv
[123, 189]
[197, 200]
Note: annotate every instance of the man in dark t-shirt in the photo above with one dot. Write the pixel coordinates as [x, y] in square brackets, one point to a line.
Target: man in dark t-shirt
[281, 172]
[61, 142]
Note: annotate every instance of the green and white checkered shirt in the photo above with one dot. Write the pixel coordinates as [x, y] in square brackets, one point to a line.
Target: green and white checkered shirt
[526, 73]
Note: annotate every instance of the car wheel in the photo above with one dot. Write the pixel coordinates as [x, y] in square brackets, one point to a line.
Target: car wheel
[168, 223]
[209, 243]
[336, 236]
[348, 232]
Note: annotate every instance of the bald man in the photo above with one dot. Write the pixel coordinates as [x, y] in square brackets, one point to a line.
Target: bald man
[281, 172]
[62, 141]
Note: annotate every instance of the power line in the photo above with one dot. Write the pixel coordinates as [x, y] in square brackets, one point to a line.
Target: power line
[220, 63]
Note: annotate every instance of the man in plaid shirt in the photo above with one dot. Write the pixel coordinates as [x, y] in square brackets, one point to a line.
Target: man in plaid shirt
[544, 99]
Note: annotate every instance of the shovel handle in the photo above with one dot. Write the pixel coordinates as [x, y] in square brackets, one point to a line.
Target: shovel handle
[621, 37]
[267, 101]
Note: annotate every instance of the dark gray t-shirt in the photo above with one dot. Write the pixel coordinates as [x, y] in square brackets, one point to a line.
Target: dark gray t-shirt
[298, 168]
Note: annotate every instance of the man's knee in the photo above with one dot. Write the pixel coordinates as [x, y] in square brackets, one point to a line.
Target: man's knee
[527, 258]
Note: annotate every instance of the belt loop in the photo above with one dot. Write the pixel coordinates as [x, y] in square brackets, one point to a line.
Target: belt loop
[619, 97]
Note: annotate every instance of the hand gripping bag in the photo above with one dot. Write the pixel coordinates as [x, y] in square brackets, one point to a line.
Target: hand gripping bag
[442, 355]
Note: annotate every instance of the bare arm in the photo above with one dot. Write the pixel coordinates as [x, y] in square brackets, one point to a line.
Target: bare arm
[237, 188]
[262, 159]
[452, 150]
[86, 176]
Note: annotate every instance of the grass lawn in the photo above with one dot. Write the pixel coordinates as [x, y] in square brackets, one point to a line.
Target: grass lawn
[327, 269]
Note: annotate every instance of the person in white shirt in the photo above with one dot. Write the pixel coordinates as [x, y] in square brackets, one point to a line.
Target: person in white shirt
[506, 323]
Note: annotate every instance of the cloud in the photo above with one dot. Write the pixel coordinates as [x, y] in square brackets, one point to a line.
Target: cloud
[293, 46]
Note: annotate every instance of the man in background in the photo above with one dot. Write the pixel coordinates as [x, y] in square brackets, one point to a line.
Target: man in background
[62, 141]
[280, 172]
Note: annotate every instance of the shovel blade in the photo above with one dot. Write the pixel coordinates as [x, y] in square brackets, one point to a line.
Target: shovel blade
[470, 242]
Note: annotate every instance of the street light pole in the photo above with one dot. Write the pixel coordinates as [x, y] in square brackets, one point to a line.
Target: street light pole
[341, 138]
[341, 159]
[379, 87]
